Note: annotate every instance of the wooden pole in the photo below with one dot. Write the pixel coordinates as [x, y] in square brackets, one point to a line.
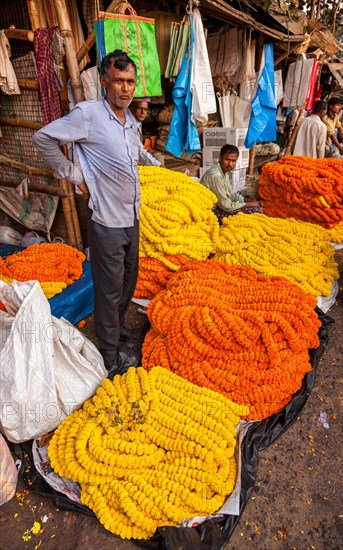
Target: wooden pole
[86, 46]
[27, 84]
[37, 187]
[291, 141]
[73, 67]
[21, 122]
[34, 15]
[252, 152]
[20, 34]
[34, 170]
[67, 211]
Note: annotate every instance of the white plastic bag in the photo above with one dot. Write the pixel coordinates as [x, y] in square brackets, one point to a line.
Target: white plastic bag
[8, 235]
[48, 368]
[8, 473]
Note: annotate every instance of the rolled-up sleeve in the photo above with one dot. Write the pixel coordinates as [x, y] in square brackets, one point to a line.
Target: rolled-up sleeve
[69, 129]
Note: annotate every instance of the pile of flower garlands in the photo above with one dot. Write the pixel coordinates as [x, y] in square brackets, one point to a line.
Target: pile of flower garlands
[154, 274]
[303, 188]
[297, 250]
[176, 216]
[55, 266]
[149, 449]
[242, 334]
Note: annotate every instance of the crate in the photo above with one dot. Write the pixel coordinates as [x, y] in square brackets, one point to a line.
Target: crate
[217, 137]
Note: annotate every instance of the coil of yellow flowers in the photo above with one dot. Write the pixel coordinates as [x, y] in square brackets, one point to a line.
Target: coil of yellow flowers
[239, 333]
[55, 266]
[149, 449]
[176, 216]
[297, 250]
[303, 188]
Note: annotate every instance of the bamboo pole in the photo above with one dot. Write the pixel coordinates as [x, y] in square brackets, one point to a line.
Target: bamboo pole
[252, 154]
[67, 211]
[34, 170]
[21, 123]
[27, 84]
[19, 34]
[37, 187]
[292, 139]
[33, 10]
[65, 30]
[86, 46]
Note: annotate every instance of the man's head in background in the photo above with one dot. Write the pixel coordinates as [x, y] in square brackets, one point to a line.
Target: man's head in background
[139, 108]
[320, 108]
[228, 157]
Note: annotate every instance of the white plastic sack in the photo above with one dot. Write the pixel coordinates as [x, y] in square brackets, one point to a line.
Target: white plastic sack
[8, 473]
[47, 367]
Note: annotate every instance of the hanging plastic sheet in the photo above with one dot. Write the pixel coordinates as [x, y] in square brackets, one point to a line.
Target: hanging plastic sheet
[183, 134]
[310, 99]
[226, 114]
[297, 83]
[225, 53]
[262, 126]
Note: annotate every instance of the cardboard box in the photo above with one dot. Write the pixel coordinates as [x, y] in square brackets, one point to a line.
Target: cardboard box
[210, 155]
[243, 159]
[217, 137]
[237, 180]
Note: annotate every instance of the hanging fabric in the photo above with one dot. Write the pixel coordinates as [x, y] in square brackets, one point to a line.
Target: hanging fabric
[247, 69]
[163, 25]
[241, 109]
[136, 36]
[224, 53]
[183, 134]
[50, 98]
[8, 79]
[262, 125]
[278, 86]
[226, 114]
[178, 47]
[203, 96]
[297, 83]
[310, 99]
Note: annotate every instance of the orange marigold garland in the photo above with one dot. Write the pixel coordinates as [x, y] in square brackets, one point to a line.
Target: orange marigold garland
[228, 329]
[54, 265]
[154, 274]
[303, 188]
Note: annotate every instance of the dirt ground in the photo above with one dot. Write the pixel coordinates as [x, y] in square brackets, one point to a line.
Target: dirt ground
[296, 503]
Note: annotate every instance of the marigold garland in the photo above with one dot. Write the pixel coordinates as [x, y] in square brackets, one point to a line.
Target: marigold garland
[154, 274]
[303, 188]
[176, 217]
[293, 249]
[226, 328]
[149, 449]
[54, 265]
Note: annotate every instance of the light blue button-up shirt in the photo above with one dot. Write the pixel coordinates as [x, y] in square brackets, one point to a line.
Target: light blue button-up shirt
[108, 153]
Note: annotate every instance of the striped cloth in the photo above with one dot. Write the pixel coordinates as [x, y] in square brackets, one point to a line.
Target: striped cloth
[75, 22]
[50, 98]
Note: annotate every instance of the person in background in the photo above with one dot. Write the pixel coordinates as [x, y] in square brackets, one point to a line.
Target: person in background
[139, 108]
[217, 179]
[311, 136]
[109, 150]
[333, 125]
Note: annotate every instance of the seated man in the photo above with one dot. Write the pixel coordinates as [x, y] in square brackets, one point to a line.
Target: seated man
[217, 179]
[139, 109]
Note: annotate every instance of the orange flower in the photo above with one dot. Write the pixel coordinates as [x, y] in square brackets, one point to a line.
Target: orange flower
[241, 334]
[154, 274]
[303, 188]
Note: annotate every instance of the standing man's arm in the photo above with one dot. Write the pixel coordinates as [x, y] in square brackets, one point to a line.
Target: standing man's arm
[145, 158]
[69, 129]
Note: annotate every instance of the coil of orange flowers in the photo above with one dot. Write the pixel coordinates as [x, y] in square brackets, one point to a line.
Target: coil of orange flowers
[55, 266]
[303, 188]
[154, 274]
[228, 329]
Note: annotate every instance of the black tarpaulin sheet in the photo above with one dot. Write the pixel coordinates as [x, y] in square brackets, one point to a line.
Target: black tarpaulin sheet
[215, 532]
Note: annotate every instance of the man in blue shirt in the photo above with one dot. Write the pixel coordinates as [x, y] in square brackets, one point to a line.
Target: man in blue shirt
[109, 150]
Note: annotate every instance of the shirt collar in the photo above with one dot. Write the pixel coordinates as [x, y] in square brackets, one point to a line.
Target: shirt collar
[129, 122]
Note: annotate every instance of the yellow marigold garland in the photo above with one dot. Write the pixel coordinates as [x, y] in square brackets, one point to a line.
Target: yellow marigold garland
[226, 328]
[293, 249]
[303, 188]
[176, 216]
[54, 265]
[149, 449]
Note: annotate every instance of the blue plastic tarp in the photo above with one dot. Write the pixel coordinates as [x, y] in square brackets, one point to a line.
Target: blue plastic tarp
[76, 301]
[183, 133]
[262, 125]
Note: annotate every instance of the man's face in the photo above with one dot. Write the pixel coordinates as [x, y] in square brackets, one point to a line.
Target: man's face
[119, 86]
[140, 110]
[336, 109]
[228, 162]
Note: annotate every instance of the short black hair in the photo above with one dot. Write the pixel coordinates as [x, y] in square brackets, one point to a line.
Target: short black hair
[335, 101]
[229, 149]
[117, 59]
[320, 106]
